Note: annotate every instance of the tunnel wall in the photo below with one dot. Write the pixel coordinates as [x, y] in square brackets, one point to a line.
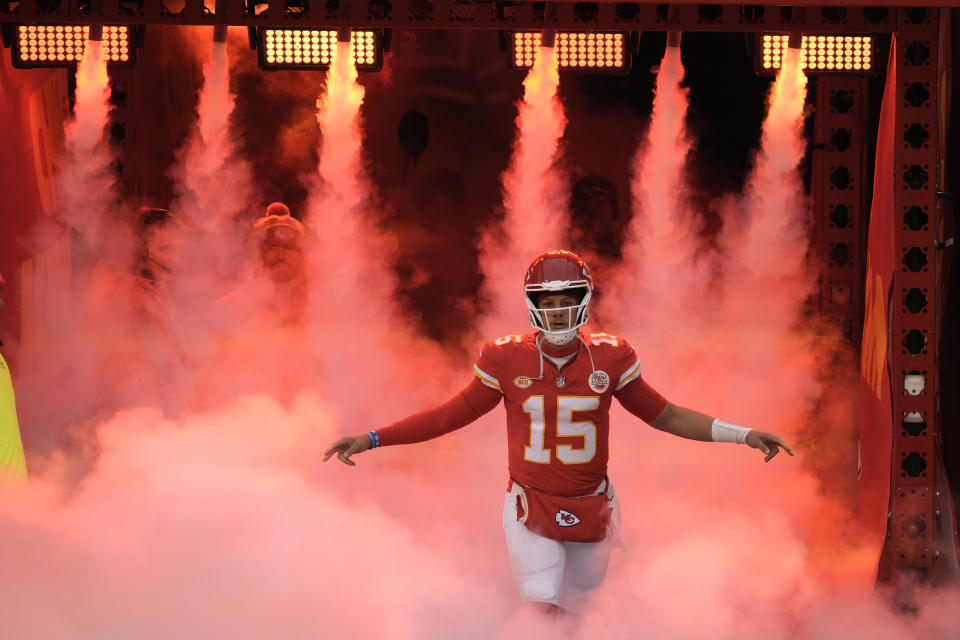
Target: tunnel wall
[33, 107]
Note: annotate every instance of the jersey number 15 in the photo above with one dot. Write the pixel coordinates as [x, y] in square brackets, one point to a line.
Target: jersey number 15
[566, 426]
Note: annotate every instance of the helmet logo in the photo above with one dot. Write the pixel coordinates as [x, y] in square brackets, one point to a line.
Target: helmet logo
[599, 381]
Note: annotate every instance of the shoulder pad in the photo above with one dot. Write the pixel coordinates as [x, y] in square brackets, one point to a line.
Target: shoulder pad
[502, 341]
[599, 338]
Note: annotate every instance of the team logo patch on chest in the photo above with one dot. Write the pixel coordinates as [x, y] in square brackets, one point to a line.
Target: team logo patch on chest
[599, 381]
[522, 382]
[566, 519]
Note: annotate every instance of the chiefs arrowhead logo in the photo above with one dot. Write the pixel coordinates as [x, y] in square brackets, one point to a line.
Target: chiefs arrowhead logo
[566, 519]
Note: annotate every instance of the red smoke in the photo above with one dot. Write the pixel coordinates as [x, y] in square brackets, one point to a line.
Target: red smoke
[85, 184]
[221, 521]
[354, 323]
[661, 241]
[213, 184]
[535, 197]
[78, 257]
[723, 334]
[214, 194]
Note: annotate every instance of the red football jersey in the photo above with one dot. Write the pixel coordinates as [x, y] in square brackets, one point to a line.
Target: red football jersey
[558, 426]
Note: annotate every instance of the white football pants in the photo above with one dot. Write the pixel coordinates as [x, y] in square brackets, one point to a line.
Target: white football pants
[554, 571]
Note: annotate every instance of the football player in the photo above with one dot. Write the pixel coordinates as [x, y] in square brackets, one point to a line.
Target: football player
[560, 514]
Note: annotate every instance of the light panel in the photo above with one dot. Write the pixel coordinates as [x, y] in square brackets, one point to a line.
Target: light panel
[297, 47]
[365, 46]
[313, 49]
[64, 45]
[821, 54]
[525, 47]
[599, 51]
[589, 51]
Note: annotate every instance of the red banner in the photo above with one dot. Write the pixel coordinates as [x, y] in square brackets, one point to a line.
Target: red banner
[876, 428]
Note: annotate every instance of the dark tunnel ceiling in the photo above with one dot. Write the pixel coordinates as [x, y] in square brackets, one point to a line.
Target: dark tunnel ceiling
[827, 17]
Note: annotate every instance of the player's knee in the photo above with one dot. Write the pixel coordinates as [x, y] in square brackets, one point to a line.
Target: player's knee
[586, 565]
[538, 590]
[589, 580]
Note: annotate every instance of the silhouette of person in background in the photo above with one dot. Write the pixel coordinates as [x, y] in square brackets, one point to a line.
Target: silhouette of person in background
[596, 226]
[437, 261]
[157, 258]
[139, 339]
[263, 318]
[280, 239]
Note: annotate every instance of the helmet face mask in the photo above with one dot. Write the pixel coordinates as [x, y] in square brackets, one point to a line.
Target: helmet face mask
[558, 272]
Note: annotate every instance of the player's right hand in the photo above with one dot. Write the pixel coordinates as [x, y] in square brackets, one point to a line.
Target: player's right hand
[346, 447]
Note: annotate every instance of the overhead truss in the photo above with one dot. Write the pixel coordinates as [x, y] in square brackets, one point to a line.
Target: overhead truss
[458, 14]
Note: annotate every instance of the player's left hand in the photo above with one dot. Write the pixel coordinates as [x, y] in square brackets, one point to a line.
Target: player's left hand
[768, 443]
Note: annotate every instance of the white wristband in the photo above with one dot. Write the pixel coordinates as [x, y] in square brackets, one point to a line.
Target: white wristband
[725, 432]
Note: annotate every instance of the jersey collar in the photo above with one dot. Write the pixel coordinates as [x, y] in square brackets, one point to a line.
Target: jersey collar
[559, 352]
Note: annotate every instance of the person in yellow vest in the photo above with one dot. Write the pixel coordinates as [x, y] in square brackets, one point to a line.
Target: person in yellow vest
[12, 463]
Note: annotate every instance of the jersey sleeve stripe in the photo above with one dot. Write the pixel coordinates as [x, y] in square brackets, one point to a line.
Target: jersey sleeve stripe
[629, 375]
[486, 378]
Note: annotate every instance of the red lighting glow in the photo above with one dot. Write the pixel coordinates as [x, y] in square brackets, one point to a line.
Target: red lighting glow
[582, 51]
[64, 45]
[832, 54]
[314, 48]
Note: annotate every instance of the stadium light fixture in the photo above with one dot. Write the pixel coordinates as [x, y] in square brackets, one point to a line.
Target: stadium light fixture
[583, 51]
[313, 48]
[819, 53]
[63, 45]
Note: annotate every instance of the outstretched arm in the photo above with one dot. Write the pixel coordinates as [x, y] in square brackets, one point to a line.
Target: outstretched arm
[642, 401]
[470, 403]
[694, 425]
[685, 423]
